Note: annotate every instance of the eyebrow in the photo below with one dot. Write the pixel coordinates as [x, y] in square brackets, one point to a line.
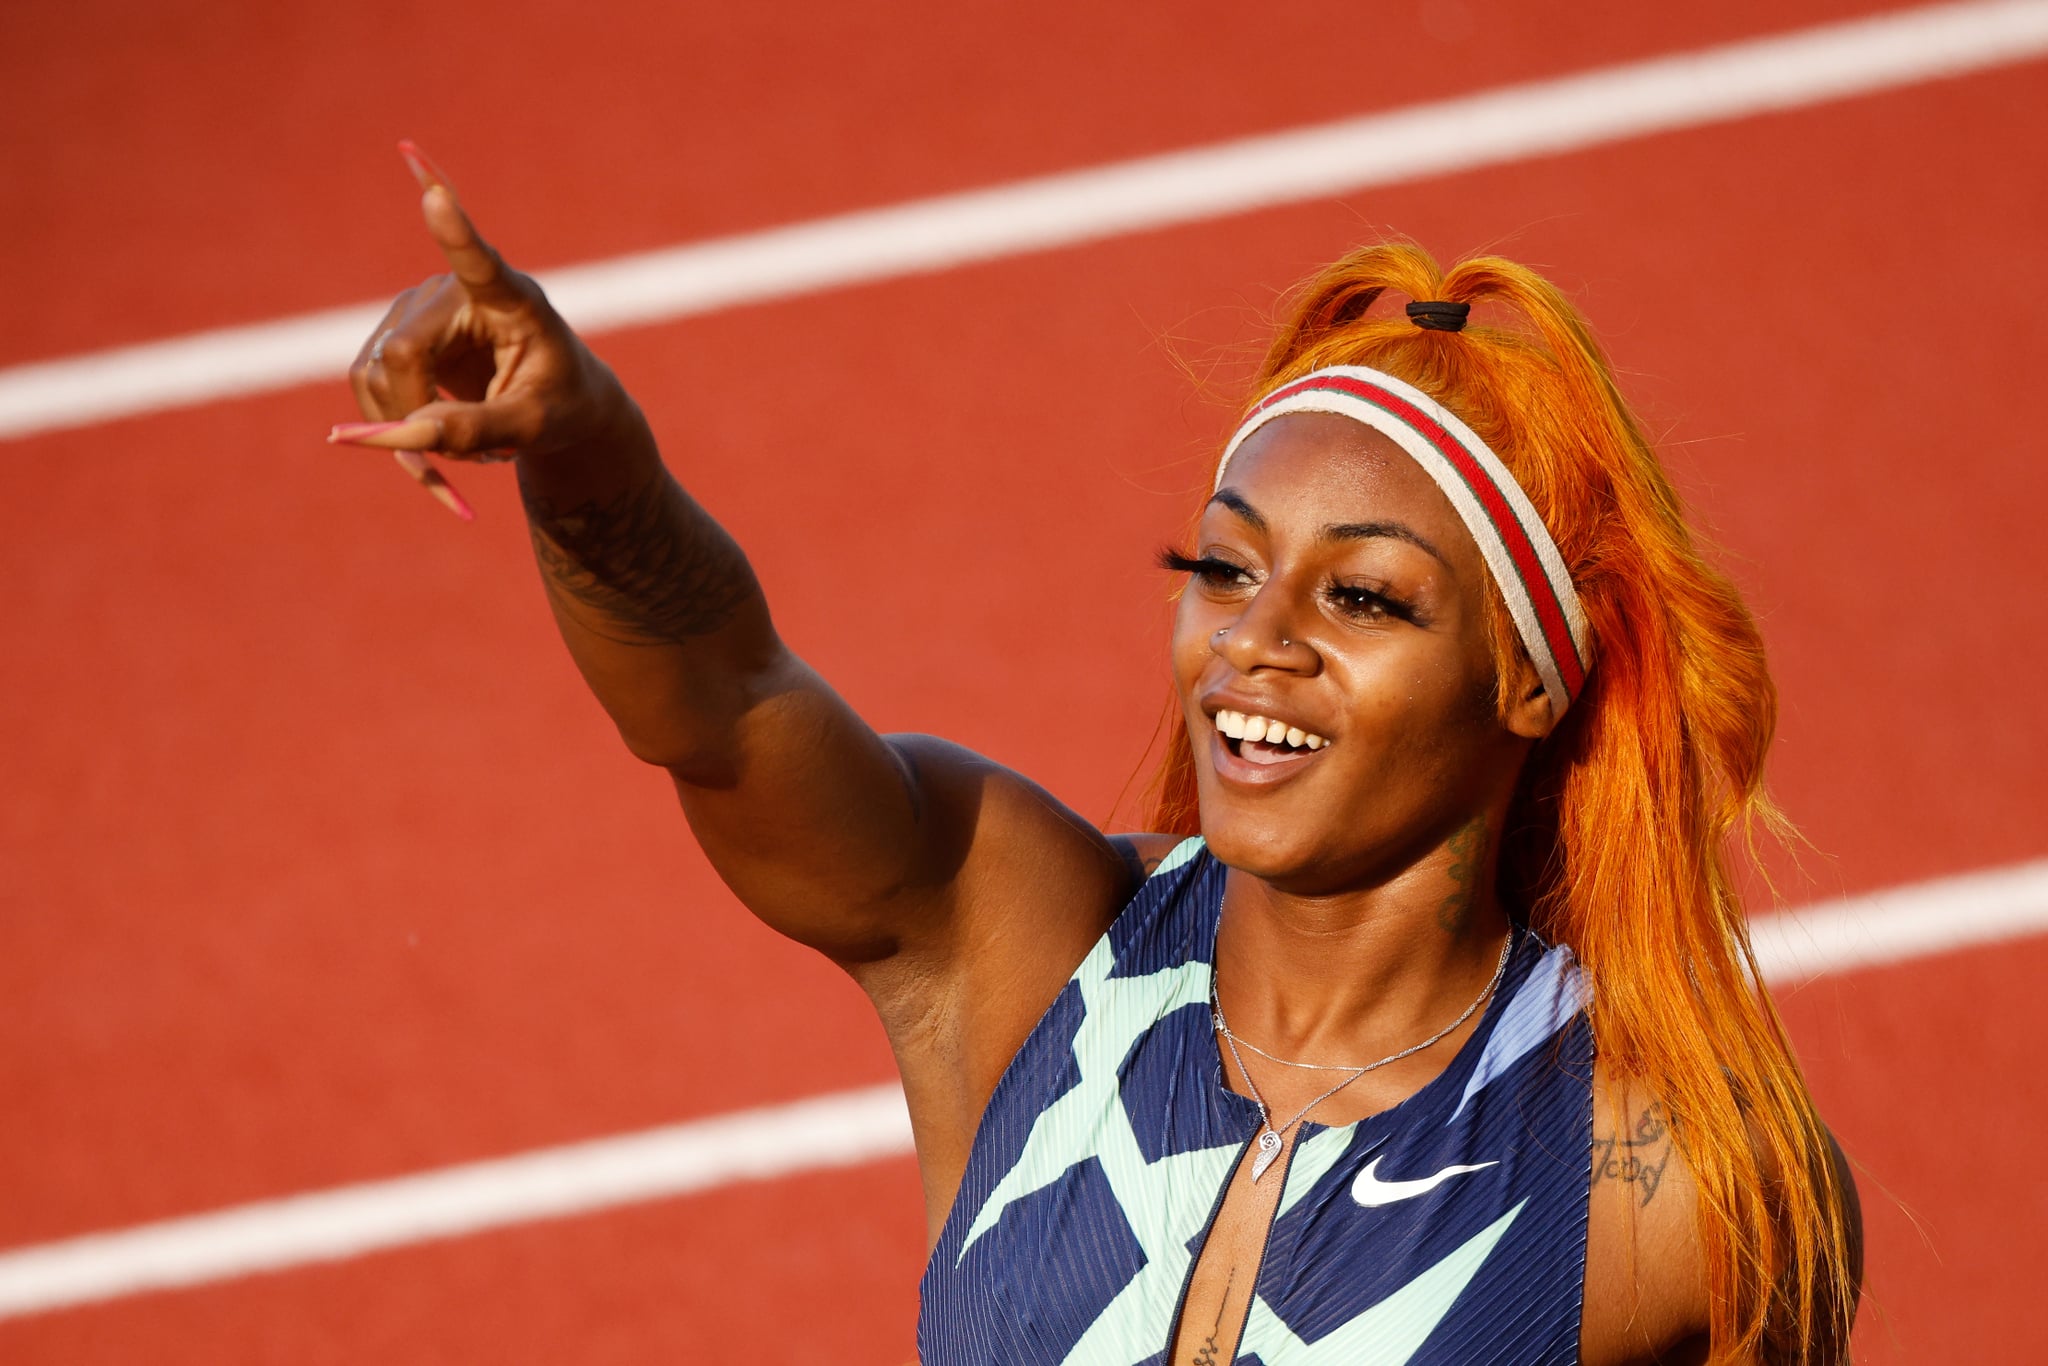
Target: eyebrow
[1336, 531]
[1365, 531]
[1234, 500]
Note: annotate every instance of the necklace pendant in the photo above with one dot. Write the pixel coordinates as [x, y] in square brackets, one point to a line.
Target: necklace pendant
[1269, 1148]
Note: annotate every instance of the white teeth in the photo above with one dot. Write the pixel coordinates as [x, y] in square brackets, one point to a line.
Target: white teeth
[1238, 726]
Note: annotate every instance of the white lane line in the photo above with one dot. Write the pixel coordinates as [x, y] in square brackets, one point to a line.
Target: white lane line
[1512, 123]
[837, 1130]
[1901, 923]
[843, 1129]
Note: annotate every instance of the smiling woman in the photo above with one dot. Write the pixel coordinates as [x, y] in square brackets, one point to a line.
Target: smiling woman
[1613, 818]
[1424, 1027]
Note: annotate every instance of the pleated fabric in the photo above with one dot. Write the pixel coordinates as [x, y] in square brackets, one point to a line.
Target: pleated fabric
[1104, 1152]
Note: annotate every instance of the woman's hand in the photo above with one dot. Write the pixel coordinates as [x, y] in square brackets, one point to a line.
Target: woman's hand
[958, 893]
[475, 364]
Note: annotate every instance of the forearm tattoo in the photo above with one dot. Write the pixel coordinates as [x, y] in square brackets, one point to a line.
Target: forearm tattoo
[647, 561]
[1636, 1158]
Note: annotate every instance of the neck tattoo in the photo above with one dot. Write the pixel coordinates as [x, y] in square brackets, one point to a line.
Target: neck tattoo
[1270, 1133]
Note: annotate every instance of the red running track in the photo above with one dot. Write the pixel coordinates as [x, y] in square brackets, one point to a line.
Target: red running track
[322, 867]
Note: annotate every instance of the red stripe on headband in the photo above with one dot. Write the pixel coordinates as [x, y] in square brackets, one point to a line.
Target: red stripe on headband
[1549, 611]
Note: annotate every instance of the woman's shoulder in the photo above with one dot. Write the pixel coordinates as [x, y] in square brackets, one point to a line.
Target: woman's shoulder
[1646, 1269]
[1646, 1277]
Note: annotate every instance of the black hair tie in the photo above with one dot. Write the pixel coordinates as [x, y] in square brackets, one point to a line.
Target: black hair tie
[1439, 316]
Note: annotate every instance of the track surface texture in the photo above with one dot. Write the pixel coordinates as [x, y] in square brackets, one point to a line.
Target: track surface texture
[321, 867]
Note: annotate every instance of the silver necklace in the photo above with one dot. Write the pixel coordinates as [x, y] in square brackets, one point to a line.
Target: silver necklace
[1269, 1135]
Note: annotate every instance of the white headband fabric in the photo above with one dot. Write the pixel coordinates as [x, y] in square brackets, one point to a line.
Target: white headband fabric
[1524, 560]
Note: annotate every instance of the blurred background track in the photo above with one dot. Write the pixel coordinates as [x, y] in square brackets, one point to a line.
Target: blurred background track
[321, 867]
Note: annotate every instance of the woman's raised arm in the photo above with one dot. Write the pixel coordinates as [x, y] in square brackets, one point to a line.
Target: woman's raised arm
[856, 845]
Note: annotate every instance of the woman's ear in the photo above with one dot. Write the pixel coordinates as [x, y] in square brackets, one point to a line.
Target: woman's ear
[1528, 712]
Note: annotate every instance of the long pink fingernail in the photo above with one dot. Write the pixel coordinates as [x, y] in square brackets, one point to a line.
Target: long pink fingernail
[349, 431]
[413, 434]
[434, 482]
[423, 168]
[445, 494]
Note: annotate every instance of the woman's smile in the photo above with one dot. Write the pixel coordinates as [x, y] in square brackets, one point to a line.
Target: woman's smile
[1332, 645]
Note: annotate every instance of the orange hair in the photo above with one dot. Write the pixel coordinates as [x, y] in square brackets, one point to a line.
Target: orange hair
[1618, 839]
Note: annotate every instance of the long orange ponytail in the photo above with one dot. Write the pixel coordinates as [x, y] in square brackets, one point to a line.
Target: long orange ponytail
[1619, 838]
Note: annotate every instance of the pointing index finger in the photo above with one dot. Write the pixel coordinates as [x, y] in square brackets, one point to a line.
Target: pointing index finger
[479, 267]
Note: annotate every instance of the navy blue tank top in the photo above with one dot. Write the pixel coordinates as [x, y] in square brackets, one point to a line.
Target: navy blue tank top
[1448, 1229]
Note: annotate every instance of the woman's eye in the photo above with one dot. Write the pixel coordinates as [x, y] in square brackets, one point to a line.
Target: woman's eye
[1223, 574]
[1208, 570]
[1366, 604]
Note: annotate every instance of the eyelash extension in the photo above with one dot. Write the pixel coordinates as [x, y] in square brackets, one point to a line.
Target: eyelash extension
[1351, 599]
[1213, 572]
[1208, 568]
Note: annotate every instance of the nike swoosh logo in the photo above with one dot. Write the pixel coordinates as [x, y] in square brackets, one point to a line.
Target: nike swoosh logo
[1370, 1191]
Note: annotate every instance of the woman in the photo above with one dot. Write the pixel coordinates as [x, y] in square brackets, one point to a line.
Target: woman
[1440, 1041]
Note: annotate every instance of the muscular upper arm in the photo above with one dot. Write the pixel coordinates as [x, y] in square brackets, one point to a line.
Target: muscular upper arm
[1646, 1275]
[959, 894]
[1646, 1281]
[866, 847]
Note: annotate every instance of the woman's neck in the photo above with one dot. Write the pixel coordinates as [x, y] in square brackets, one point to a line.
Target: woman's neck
[1350, 976]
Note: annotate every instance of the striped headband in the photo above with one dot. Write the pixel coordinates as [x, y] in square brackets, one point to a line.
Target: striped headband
[1518, 549]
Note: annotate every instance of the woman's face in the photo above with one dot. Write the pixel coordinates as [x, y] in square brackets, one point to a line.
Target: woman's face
[1338, 594]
